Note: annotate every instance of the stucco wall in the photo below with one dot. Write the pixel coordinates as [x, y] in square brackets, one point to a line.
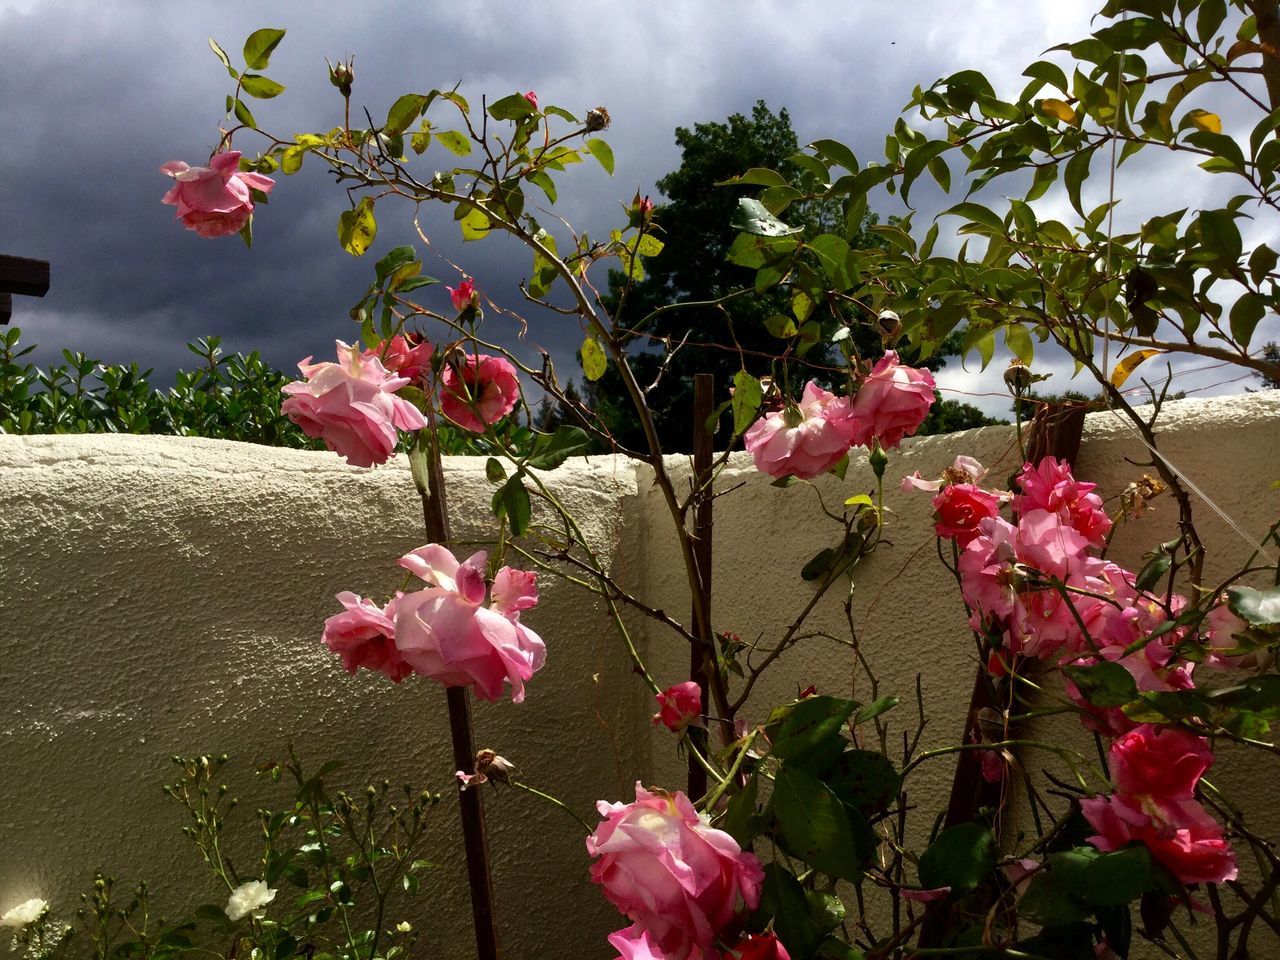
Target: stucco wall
[162, 596]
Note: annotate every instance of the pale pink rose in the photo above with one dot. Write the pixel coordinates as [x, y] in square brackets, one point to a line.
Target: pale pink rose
[1227, 632]
[1018, 874]
[447, 633]
[1047, 543]
[532, 98]
[634, 943]
[891, 403]
[802, 440]
[679, 706]
[679, 879]
[1180, 835]
[1051, 486]
[962, 470]
[463, 295]
[988, 581]
[1158, 761]
[479, 390]
[364, 635]
[959, 508]
[214, 201]
[759, 946]
[352, 406]
[407, 356]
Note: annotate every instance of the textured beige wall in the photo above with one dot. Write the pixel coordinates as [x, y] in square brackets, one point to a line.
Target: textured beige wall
[162, 596]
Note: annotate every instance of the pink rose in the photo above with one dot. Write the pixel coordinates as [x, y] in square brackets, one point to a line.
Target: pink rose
[352, 406]
[532, 98]
[760, 946]
[962, 470]
[891, 403]
[478, 391]
[1112, 721]
[678, 878]
[446, 632]
[464, 295]
[1161, 762]
[1051, 486]
[679, 706]
[959, 508]
[364, 635]
[214, 201]
[402, 355]
[1180, 835]
[634, 943]
[803, 440]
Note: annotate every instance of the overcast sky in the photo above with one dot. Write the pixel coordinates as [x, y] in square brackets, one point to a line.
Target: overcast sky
[94, 96]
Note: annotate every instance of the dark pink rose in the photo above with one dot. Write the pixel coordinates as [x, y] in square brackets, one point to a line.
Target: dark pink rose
[214, 201]
[959, 508]
[680, 880]
[1158, 761]
[464, 295]
[532, 98]
[679, 706]
[364, 635]
[1180, 835]
[478, 391]
[447, 633]
[802, 440]
[403, 357]
[760, 946]
[352, 406]
[891, 403]
[1051, 486]
[924, 896]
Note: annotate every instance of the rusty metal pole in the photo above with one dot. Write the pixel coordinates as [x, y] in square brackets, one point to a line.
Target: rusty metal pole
[701, 654]
[435, 515]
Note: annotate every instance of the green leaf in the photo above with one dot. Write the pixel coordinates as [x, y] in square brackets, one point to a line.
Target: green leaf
[243, 115]
[1104, 684]
[833, 253]
[259, 47]
[809, 723]
[753, 217]
[594, 361]
[222, 55]
[357, 228]
[1116, 878]
[493, 470]
[291, 159]
[474, 223]
[1261, 608]
[1019, 343]
[1075, 173]
[864, 780]
[1246, 312]
[833, 151]
[780, 326]
[1219, 235]
[816, 827]
[918, 160]
[404, 111]
[756, 176]
[875, 708]
[741, 811]
[453, 141]
[746, 400]
[782, 898]
[511, 107]
[263, 88]
[512, 501]
[753, 252]
[552, 449]
[976, 213]
[602, 152]
[393, 260]
[961, 858]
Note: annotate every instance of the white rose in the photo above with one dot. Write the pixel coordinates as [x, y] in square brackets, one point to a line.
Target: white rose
[248, 898]
[25, 913]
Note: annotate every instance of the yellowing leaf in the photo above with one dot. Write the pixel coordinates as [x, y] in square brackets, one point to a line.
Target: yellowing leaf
[1059, 109]
[1203, 120]
[357, 228]
[1130, 363]
[594, 362]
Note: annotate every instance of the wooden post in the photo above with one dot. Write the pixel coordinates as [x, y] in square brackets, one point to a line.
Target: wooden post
[474, 835]
[23, 276]
[702, 654]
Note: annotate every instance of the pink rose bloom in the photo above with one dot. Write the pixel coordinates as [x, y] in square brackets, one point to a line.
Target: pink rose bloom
[364, 635]
[1180, 835]
[1161, 762]
[352, 406]
[400, 355]
[891, 403]
[959, 508]
[214, 201]
[479, 391]
[802, 440]
[760, 946]
[665, 868]
[634, 943]
[446, 632]
[532, 98]
[1111, 721]
[463, 295]
[1048, 544]
[962, 470]
[1050, 486]
[679, 706]
[988, 581]
[1222, 629]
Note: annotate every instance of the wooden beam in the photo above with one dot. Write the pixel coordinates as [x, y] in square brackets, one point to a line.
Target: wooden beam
[24, 276]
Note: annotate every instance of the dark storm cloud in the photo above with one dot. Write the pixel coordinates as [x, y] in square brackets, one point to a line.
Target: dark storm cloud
[95, 96]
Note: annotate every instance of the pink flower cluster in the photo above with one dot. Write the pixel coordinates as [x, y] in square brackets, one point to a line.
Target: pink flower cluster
[681, 882]
[446, 631]
[808, 438]
[1038, 587]
[217, 200]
